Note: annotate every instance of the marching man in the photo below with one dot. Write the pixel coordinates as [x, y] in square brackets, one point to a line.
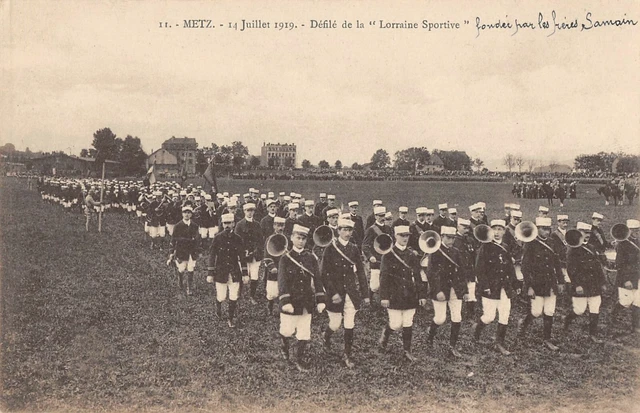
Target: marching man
[378, 228]
[251, 233]
[401, 289]
[543, 280]
[270, 264]
[343, 277]
[587, 282]
[185, 246]
[226, 258]
[448, 285]
[628, 266]
[301, 292]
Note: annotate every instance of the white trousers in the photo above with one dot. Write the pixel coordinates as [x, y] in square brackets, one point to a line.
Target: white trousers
[543, 304]
[300, 325]
[400, 318]
[628, 297]
[471, 297]
[349, 312]
[170, 228]
[374, 282]
[232, 287]
[502, 306]
[580, 304]
[253, 268]
[272, 290]
[440, 309]
[188, 265]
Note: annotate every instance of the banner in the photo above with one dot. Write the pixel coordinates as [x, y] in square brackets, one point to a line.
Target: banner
[151, 176]
[210, 179]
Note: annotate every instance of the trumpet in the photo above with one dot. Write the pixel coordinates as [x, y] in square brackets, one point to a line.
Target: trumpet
[322, 236]
[277, 245]
[620, 232]
[383, 244]
[574, 238]
[526, 231]
[483, 233]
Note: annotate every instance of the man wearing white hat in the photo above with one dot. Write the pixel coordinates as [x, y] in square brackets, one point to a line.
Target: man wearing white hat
[465, 245]
[309, 220]
[628, 266]
[402, 217]
[497, 283]
[155, 218]
[476, 215]
[331, 204]
[371, 218]
[270, 264]
[598, 240]
[453, 216]
[401, 289]
[442, 219]
[251, 233]
[267, 222]
[543, 211]
[301, 292]
[332, 222]
[185, 244]
[447, 287]
[559, 243]
[423, 222]
[374, 258]
[345, 282]
[587, 282]
[512, 243]
[291, 219]
[358, 224]
[322, 203]
[543, 280]
[226, 258]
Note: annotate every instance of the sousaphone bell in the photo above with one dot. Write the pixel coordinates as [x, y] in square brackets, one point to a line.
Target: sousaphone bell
[483, 233]
[429, 242]
[574, 238]
[620, 232]
[322, 236]
[277, 245]
[526, 231]
[383, 244]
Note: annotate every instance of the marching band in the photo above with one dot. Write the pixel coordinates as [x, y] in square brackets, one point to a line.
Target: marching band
[311, 256]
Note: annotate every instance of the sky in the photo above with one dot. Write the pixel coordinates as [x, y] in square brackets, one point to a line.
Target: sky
[69, 68]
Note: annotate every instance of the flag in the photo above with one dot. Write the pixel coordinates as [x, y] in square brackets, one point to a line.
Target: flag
[183, 172]
[151, 176]
[210, 178]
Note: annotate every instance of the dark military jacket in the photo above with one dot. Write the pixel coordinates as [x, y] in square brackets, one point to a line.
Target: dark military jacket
[445, 272]
[541, 268]
[252, 239]
[559, 245]
[367, 244]
[300, 287]
[312, 222]
[185, 240]
[226, 257]
[358, 230]
[267, 226]
[399, 221]
[401, 284]
[467, 252]
[339, 276]
[441, 221]
[585, 270]
[628, 262]
[495, 271]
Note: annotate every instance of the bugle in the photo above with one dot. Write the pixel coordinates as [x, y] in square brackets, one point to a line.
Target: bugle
[483, 233]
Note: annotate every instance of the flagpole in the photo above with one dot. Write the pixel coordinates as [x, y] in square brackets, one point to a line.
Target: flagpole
[101, 200]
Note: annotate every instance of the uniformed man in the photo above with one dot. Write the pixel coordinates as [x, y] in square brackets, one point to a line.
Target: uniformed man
[497, 283]
[543, 280]
[185, 245]
[251, 233]
[89, 204]
[345, 282]
[453, 216]
[331, 204]
[322, 204]
[476, 215]
[267, 222]
[388, 219]
[291, 219]
[402, 217]
[447, 287]
[332, 219]
[283, 209]
[374, 258]
[401, 289]
[301, 291]
[514, 245]
[465, 246]
[507, 212]
[628, 266]
[309, 220]
[270, 264]
[442, 219]
[226, 259]
[587, 282]
[483, 213]
[358, 224]
[543, 211]
[371, 218]
[597, 240]
[423, 222]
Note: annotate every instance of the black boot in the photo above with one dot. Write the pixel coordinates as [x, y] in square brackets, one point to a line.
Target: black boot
[253, 286]
[301, 363]
[500, 335]
[523, 324]
[328, 332]
[478, 330]
[232, 313]
[384, 338]
[568, 319]
[348, 343]
[635, 318]
[181, 280]
[453, 340]
[433, 329]
[593, 328]
[407, 333]
[189, 283]
[284, 348]
[218, 309]
[270, 307]
[471, 310]
[548, 325]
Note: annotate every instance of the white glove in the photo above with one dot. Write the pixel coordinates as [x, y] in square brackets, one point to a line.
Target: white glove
[287, 308]
[245, 279]
[209, 279]
[321, 307]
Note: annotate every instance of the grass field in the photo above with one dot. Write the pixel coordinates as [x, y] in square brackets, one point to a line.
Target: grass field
[93, 322]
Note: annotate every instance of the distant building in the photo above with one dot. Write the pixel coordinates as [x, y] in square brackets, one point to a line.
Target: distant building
[564, 169]
[278, 155]
[435, 165]
[165, 162]
[68, 165]
[184, 151]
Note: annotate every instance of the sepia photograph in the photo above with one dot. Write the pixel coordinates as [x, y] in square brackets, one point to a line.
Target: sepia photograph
[319, 206]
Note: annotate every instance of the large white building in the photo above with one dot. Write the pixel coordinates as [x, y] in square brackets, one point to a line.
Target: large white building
[278, 155]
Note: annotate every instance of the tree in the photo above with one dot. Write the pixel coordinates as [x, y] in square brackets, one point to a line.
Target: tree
[239, 154]
[412, 159]
[380, 159]
[7, 148]
[338, 164]
[288, 163]
[454, 160]
[628, 164]
[553, 166]
[531, 164]
[107, 146]
[478, 164]
[84, 153]
[254, 161]
[323, 164]
[519, 161]
[132, 157]
[356, 166]
[306, 164]
[508, 161]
